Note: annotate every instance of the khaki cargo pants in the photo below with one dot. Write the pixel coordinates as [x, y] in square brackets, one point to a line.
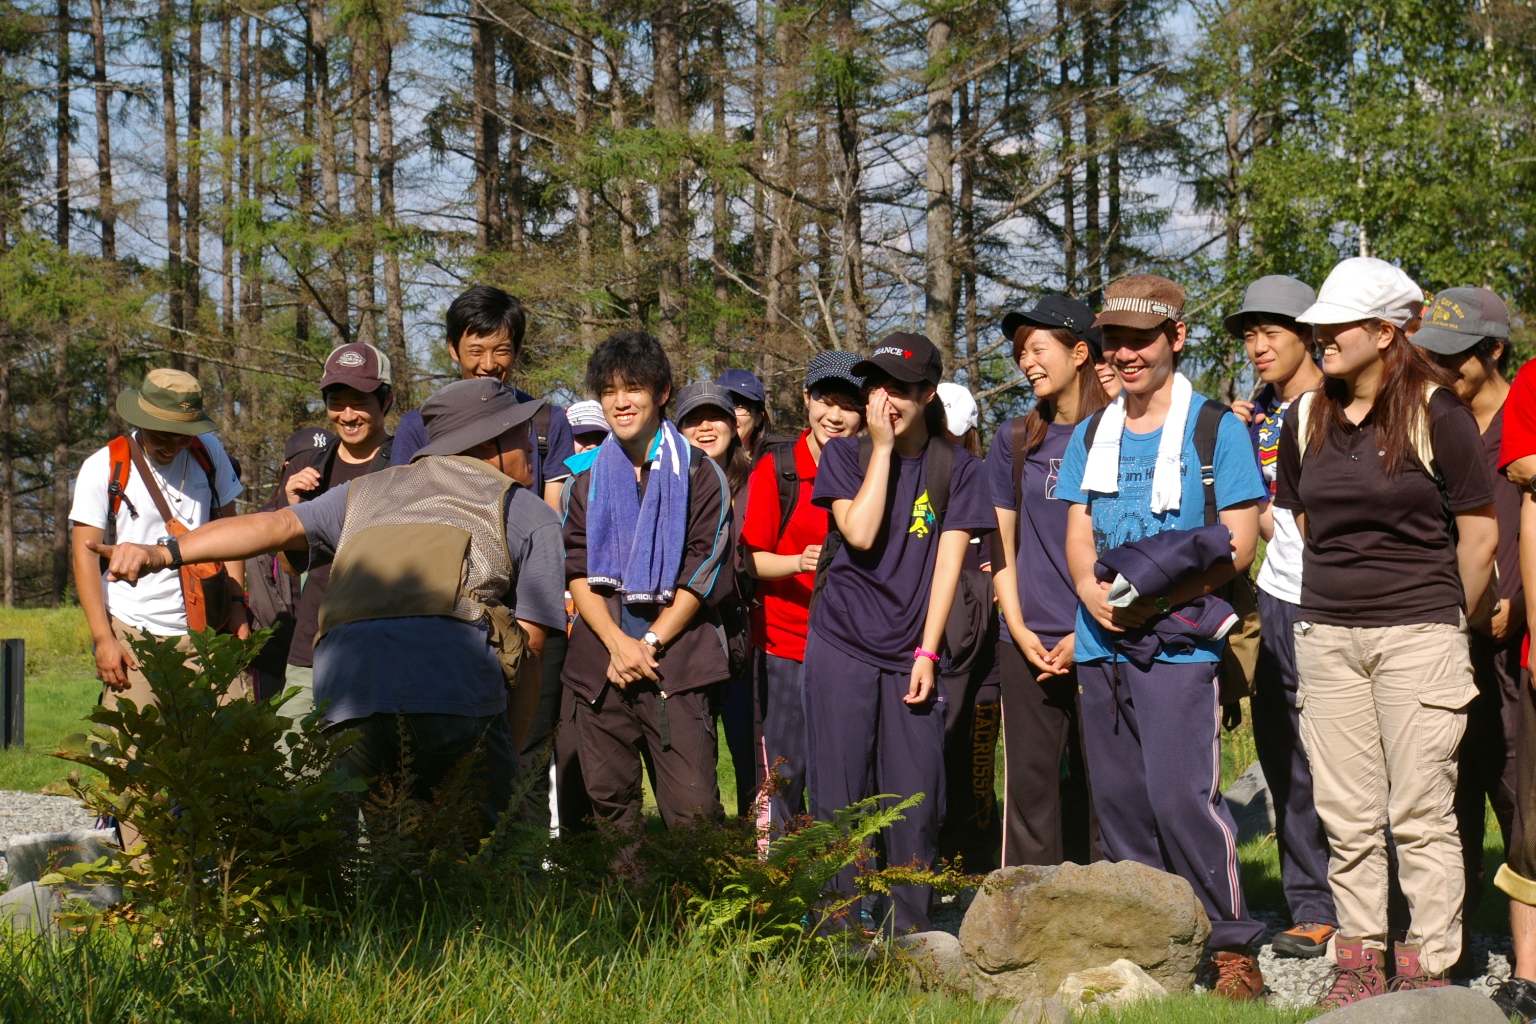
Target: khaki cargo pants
[1383, 710]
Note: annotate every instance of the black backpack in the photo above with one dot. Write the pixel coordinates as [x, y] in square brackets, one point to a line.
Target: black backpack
[939, 468]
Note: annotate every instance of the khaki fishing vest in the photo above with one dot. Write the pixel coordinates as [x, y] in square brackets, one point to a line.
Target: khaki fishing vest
[429, 539]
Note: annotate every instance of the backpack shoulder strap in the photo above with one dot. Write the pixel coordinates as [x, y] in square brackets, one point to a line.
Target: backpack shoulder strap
[204, 459]
[1423, 440]
[1303, 414]
[1093, 429]
[1207, 424]
[787, 476]
[117, 483]
[939, 471]
[866, 452]
[541, 427]
[137, 455]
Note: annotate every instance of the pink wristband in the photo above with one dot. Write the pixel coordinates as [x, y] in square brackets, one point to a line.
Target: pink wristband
[920, 653]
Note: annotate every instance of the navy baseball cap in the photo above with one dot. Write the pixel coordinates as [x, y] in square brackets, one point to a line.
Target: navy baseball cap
[908, 357]
[743, 383]
[833, 365]
[1056, 311]
[308, 439]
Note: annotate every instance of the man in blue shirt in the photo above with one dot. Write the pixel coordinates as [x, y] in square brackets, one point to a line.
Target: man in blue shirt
[1151, 737]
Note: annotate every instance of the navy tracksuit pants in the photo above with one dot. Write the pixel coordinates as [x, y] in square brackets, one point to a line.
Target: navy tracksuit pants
[862, 740]
[782, 683]
[1151, 738]
[1277, 734]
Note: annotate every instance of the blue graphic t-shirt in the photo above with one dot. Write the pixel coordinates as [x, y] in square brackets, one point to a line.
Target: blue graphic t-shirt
[1126, 516]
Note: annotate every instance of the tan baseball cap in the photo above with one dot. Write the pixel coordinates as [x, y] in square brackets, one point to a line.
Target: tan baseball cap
[1141, 302]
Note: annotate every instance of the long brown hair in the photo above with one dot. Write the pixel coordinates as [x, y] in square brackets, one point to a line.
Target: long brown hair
[1399, 408]
[1090, 393]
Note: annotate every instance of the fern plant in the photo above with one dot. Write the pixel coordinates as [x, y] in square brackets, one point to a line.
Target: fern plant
[236, 835]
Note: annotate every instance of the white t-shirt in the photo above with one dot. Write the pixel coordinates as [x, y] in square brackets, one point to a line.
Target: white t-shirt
[1280, 575]
[155, 604]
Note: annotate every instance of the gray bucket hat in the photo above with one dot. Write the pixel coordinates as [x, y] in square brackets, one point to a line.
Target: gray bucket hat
[471, 412]
[1460, 318]
[1276, 293]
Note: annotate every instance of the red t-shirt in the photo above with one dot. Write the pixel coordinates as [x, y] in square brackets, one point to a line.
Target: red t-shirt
[1520, 436]
[781, 618]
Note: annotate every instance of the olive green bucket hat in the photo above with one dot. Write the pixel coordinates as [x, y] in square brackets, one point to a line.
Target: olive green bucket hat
[170, 401]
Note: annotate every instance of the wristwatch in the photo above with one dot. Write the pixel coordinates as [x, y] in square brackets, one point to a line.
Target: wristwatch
[170, 544]
[653, 641]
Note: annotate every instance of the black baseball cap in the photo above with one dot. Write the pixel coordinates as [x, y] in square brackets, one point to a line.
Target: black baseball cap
[308, 439]
[909, 357]
[1460, 318]
[1056, 311]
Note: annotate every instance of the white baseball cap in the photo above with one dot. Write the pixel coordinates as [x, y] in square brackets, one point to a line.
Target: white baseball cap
[960, 412]
[1365, 288]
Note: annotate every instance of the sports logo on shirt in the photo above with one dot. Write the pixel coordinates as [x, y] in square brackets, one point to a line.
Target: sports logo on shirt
[922, 516]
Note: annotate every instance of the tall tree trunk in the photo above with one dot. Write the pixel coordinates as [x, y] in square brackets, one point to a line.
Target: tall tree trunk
[175, 285]
[8, 480]
[513, 215]
[227, 199]
[252, 121]
[1115, 250]
[394, 299]
[759, 139]
[781, 247]
[720, 214]
[362, 192]
[849, 183]
[1093, 251]
[193, 273]
[487, 129]
[968, 143]
[628, 245]
[112, 354]
[667, 97]
[330, 171]
[61, 130]
[61, 471]
[940, 287]
[1068, 174]
[582, 70]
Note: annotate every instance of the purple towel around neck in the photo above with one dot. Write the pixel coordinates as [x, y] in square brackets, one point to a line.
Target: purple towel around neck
[635, 543]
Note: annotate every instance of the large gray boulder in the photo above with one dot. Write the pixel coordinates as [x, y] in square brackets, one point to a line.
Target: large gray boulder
[1251, 803]
[32, 907]
[1030, 927]
[28, 858]
[1449, 1005]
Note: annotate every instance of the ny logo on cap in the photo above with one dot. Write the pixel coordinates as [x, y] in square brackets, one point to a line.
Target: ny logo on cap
[321, 440]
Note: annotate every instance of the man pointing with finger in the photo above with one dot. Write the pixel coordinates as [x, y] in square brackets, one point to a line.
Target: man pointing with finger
[431, 562]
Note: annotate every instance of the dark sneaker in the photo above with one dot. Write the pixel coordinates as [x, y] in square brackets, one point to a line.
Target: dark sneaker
[1357, 975]
[1235, 976]
[1409, 974]
[1516, 998]
[1305, 940]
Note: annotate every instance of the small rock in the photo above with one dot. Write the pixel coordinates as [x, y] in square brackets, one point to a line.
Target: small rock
[1037, 1010]
[935, 960]
[30, 857]
[1030, 927]
[1118, 985]
[30, 909]
[1251, 803]
[1450, 1005]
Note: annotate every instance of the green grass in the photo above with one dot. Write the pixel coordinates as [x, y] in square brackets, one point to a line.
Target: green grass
[61, 690]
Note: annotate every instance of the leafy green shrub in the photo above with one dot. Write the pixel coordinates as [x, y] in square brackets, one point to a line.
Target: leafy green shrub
[235, 836]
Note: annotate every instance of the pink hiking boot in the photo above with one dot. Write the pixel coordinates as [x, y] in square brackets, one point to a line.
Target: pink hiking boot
[1357, 974]
[1409, 974]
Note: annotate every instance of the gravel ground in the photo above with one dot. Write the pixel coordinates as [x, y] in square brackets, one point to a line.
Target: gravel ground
[1295, 982]
[21, 813]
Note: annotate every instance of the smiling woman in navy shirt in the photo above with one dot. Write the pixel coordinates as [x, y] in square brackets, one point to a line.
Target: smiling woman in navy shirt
[1046, 815]
[905, 508]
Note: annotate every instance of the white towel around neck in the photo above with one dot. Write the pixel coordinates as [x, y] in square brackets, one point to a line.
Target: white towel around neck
[1102, 473]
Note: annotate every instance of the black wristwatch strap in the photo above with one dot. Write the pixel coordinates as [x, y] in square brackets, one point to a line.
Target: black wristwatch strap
[174, 548]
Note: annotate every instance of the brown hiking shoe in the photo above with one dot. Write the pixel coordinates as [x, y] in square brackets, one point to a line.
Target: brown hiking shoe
[1357, 975]
[1235, 976]
[1305, 940]
[1409, 974]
